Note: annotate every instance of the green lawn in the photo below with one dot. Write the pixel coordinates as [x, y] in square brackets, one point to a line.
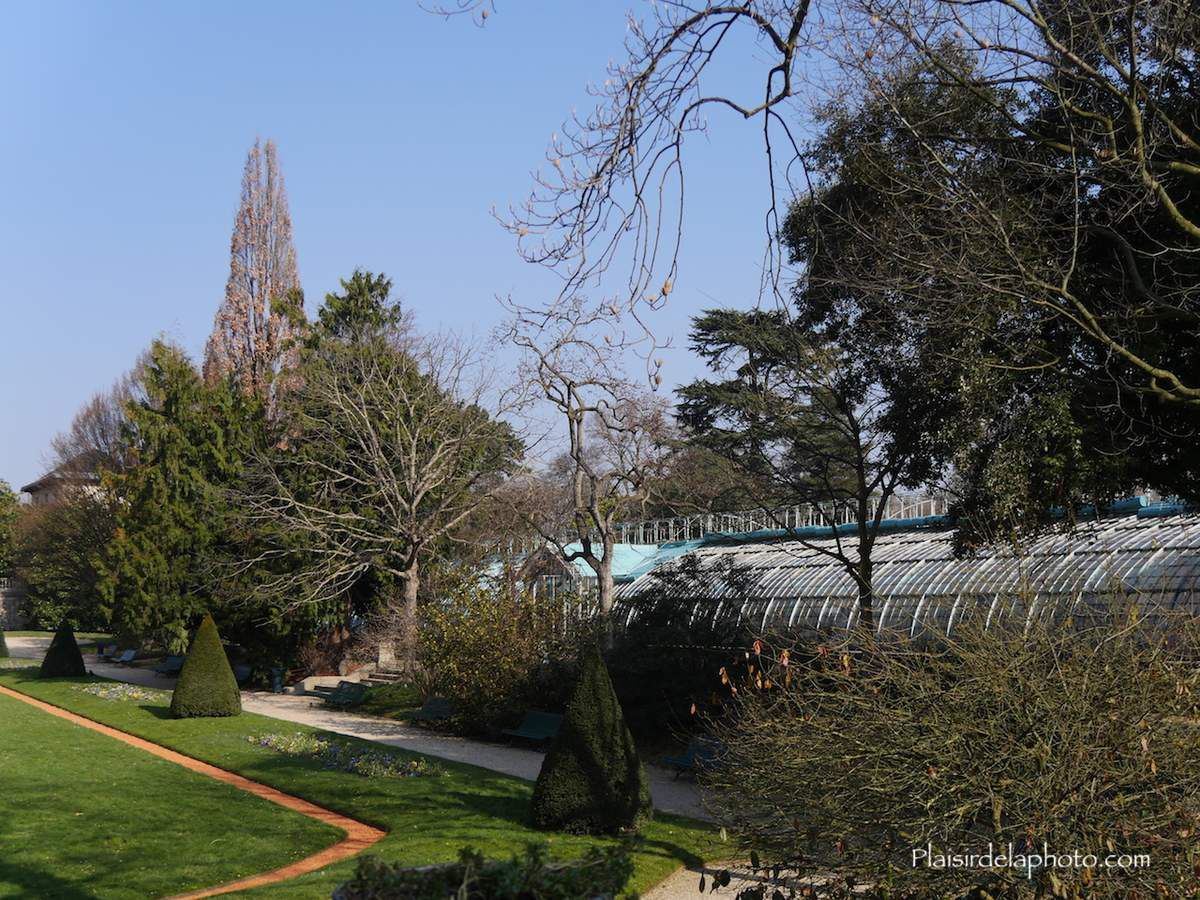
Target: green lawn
[428, 818]
[83, 815]
[390, 701]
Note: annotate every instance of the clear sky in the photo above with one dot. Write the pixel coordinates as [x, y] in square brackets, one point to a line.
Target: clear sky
[124, 131]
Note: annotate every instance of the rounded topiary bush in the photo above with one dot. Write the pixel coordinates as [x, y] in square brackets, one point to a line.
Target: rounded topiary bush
[206, 685]
[592, 779]
[63, 659]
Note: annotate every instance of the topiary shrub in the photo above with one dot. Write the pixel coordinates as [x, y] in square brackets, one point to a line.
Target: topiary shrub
[3, 646]
[592, 780]
[63, 659]
[206, 685]
[602, 872]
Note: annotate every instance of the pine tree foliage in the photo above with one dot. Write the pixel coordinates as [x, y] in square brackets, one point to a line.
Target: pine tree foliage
[206, 685]
[592, 780]
[190, 441]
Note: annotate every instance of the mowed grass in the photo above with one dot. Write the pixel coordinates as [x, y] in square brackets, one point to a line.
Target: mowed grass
[428, 818]
[83, 815]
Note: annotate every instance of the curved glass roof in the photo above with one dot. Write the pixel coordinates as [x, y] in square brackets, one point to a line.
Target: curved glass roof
[1152, 556]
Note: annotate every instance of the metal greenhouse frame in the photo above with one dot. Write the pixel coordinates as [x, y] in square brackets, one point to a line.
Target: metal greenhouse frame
[1149, 553]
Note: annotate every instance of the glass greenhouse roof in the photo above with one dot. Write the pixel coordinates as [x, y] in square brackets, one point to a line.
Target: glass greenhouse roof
[1151, 554]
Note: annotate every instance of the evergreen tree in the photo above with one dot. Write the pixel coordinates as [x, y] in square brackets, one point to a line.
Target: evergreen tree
[189, 441]
[592, 779]
[63, 659]
[206, 685]
[3, 645]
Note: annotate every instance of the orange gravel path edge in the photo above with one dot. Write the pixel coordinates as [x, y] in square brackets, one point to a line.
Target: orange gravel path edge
[359, 836]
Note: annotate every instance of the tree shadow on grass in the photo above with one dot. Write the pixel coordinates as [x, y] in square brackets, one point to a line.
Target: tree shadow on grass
[34, 882]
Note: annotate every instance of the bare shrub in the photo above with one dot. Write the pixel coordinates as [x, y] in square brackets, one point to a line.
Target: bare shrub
[1068, 735]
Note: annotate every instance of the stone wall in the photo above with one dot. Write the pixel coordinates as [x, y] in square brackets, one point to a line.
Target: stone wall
[12, 599]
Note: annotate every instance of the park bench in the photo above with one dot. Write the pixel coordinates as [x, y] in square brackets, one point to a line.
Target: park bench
[435, 709]
[537, 726]
[347, 693]
[701, 752]
[171, 665]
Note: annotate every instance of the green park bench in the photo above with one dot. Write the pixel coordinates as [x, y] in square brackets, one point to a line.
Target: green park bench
[435, 709]
[347, 693]
[537, 726]
[171, 665]
[701, 753]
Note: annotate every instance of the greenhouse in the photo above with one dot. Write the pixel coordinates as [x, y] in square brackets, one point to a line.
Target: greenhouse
[1146, 552]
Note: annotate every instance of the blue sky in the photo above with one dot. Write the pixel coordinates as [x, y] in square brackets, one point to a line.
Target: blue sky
[125, 127]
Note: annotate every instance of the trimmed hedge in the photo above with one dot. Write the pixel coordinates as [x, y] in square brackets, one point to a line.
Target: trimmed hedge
[206, 685]
[592, 780]
[600, 874]
[63, 659]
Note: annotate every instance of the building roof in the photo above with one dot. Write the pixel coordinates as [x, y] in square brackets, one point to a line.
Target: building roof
[1148, 551]
[78, 470]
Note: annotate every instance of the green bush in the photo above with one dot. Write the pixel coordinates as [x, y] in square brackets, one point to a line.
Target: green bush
[206, 685]
[1079, 736]
[485, 649]
[3, 645]
[592, 779]
[599, 874]
[63, 659]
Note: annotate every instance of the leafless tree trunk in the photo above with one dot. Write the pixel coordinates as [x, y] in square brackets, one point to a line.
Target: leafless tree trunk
[616, 432]
[250, 332]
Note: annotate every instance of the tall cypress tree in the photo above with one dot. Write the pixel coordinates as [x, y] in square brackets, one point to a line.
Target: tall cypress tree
[252, 327]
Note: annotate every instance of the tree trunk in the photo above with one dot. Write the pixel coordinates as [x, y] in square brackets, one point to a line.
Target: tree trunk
[408, 627]
[604, 586]
[866, 593]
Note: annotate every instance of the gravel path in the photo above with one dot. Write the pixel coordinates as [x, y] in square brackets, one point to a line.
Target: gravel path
[670, 795]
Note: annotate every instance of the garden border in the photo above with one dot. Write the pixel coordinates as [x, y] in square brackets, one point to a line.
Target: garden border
[359, 836]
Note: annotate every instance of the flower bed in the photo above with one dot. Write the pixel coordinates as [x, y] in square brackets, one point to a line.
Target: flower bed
[120, 691]
[345, 756]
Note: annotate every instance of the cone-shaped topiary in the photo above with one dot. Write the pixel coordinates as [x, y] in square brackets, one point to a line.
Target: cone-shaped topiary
[206, 685]
[63, 659]
[592, 780]
[3, 646]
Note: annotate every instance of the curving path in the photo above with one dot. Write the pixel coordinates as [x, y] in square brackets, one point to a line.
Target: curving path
[358, 835]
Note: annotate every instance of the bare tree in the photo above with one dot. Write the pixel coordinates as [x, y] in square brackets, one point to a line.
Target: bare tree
[97, 440]
[251, 328]
[617, 434]
[614, 190]
[390, 450]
